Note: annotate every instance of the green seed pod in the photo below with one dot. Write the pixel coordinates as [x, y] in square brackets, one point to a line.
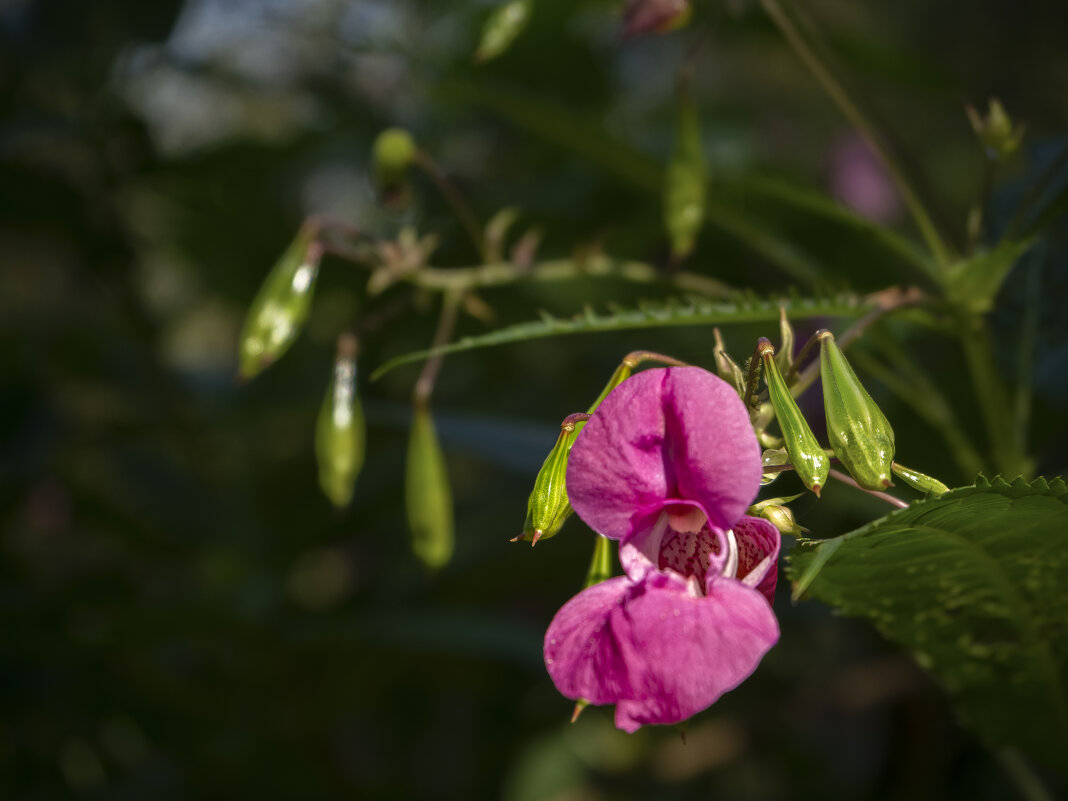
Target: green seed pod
[548, 507]
[340, 433]
[281, 306]
[684, 182]
[806, 455]
[919, 481]
[427, 494]
[501, 29]
[857, 429]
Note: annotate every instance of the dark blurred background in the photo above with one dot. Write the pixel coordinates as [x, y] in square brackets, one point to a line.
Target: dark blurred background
[183, 615]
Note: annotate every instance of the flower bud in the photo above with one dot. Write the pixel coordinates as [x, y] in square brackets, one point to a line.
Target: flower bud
[684, 182]
[808, 458]
[501, 29]
[782, 517]
[996, 132]
[660, 16]
[919, 481]
[393, 152]
[281, 306]
[427, 494]
[857, 429]
[340, 434]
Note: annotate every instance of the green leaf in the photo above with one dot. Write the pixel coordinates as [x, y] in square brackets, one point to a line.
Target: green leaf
[973, 283]
[652, 315]
[973, 584]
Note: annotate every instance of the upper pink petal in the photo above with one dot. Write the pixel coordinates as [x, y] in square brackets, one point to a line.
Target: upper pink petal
[663, 435]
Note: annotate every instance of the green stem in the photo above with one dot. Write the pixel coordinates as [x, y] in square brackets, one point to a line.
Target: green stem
[1006, 449]
[853, 113]
[459, 279]
[601, 563]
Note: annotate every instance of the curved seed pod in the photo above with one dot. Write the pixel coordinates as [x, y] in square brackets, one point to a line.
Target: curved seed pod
[548, 507]
[808, 458]
[919, 481]
[281, 306]
[427, 494]
[340, 432]
[857, 429]
[684, 182]
[501, 29]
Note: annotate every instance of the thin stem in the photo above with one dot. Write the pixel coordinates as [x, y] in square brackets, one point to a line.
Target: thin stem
[886, 301]
[496, 274]
[601, 563]
[882, 496]
[992, 396]
[425, 385]
[1023, 775]
[453, 197]
[1025, 356]
[853, 113]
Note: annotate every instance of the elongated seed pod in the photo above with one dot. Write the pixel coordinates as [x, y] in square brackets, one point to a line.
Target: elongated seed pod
[808, 458]
[919, 481]
[857, 429]
[340, 432]
[281, 306]
[502, 27]
[428, 497]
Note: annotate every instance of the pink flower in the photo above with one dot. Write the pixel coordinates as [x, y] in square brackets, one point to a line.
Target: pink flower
[668, 465]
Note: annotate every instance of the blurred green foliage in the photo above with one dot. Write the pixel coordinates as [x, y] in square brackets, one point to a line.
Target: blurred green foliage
[185, 616]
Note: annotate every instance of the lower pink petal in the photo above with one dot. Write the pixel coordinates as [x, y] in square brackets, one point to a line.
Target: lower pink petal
[657, 648]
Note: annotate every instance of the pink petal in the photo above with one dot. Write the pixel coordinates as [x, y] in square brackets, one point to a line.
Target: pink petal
[695, 647]
[657, 649]
[758, 554]
[584, 654]
[664, 435]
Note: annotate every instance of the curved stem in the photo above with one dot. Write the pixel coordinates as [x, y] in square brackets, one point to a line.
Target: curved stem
[882, 496]
[853, 113]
